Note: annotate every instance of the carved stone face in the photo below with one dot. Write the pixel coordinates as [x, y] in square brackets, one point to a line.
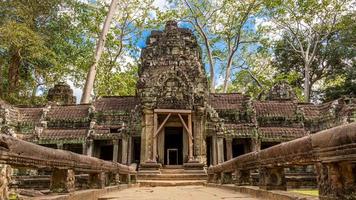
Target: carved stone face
[171, 74]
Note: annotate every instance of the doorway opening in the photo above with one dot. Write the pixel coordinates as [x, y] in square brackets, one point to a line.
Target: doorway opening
[106, 152]
[173, 146]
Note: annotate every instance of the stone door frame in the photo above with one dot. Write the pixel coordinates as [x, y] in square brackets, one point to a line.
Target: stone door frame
[158, 127]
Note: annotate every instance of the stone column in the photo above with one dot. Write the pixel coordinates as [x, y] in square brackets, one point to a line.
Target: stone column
[242, 177]
[124, 145]
[220, 149]
[147, 135]
[255, 144]
[272, 178]
[84, 148]
[97, 180]
[90, 147]
[60, 146]
[115, 152]
[214, 152]
[228, 148]
[190, 138]
[336, 180]
[154, 138]
[62, 180]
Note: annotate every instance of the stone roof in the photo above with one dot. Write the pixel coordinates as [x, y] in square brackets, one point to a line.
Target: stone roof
[116, 103]
[30, 114]
[68, 112]
[227, 101]
[281, 133]
[64, 134]
[275, 109]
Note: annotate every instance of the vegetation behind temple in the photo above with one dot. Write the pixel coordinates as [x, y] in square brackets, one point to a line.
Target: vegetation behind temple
[46, 42]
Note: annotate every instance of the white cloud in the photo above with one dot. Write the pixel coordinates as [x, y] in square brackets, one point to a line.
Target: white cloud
[161, 4]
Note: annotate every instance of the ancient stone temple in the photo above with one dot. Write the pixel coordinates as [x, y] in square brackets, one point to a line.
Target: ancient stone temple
[173, 119]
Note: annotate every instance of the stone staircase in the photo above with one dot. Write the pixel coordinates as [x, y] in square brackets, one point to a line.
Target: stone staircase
[172, 176]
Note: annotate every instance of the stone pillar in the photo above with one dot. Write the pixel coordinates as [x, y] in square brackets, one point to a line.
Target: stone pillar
[124, 145]
[154, 138]
[220, 149]
[90, 148]
[214, 152]
[84, 148]
[336, 180]
[190, 138]
[255, 144]
[272, 178]
[129, 150]
[97, 180]
[242, 177]
[199, 142]
[228, 148]
[60, 146]
[115, 152]
[62, 180]
[146, 136]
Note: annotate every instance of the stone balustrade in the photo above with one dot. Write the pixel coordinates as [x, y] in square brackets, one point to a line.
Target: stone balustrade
[332, 152]
[63, 164]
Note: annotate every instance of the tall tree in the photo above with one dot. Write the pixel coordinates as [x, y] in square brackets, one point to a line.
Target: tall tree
[89, 83]
[307, 27]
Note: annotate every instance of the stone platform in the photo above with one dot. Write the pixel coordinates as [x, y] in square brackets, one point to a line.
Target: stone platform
[172, 176]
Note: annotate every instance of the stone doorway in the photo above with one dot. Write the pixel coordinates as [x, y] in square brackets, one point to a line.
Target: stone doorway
[173, 145]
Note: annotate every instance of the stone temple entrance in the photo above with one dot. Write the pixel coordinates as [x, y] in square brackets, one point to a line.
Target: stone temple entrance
[173, 145]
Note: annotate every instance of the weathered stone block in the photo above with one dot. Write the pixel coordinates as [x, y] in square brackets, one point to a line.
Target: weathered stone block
[336, 180]
[97, 180]
[62, 180]
[272, 178]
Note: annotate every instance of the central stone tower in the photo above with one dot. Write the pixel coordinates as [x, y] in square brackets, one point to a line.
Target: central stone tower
[173, 91]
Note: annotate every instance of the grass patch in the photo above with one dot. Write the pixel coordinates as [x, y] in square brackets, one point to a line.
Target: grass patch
[310, 192]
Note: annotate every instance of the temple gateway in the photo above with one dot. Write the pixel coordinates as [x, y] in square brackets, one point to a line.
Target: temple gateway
[172, 120]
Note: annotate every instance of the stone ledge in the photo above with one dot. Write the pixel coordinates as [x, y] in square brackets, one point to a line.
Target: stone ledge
[264, 194]
[90, 194]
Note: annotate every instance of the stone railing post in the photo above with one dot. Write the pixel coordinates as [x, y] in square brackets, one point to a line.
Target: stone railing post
[226, 178]
[243, 177]
[125, 178]
[272, 178]
[62, 180]
[97, 180]
[336, 180]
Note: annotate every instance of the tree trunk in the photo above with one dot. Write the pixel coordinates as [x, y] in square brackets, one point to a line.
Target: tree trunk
[227, 73]
[14, 71]
[212, 71]
[307, 82]
[89, 83]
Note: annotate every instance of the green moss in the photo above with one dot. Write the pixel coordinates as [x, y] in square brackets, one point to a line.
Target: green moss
[311, 192]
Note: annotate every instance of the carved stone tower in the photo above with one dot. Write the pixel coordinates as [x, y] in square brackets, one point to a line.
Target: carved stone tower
[173, 91]
[61, 94]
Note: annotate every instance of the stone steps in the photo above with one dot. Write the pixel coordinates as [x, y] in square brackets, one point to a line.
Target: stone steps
[167, 183]
[172, 177]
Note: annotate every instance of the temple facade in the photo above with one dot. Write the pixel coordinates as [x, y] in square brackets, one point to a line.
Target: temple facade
[172, 119]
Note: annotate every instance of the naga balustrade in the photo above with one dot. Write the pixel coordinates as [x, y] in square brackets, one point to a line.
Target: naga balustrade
[332, 152]
[63, 164]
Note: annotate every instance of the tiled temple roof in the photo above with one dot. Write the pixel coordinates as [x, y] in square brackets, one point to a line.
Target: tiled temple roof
[119, 103]
[275, 109]
[68, 112]
[227, 101]
[281, 133]
[315, 112]
[240, 130]
[30, 114]
[64, 134]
